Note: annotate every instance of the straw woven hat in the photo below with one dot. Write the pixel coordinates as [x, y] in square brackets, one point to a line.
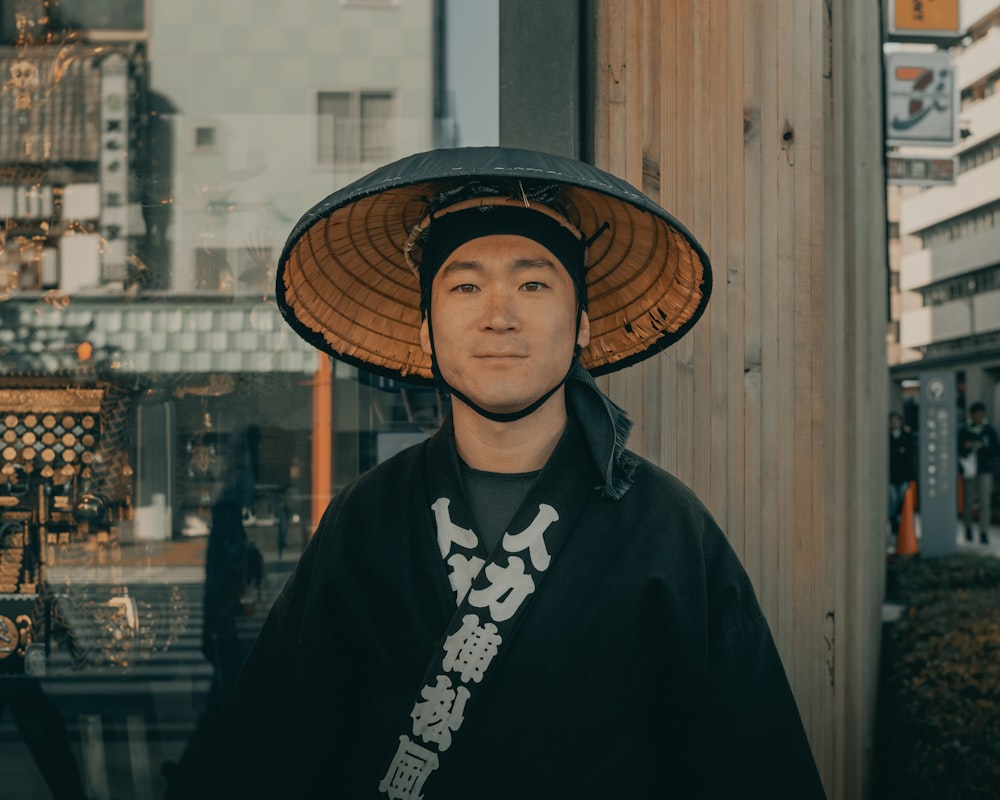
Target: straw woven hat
[346, 279]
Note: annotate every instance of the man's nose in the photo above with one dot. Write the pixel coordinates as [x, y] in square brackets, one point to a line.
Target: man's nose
[500, 312]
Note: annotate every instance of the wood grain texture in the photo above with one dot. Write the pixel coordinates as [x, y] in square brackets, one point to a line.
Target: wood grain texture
[753, 123]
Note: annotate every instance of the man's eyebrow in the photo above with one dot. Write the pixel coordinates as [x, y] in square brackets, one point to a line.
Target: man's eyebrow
[531, 263]
[461, 266]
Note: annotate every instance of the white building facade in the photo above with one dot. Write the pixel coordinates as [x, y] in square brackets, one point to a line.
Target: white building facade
[271, 111]
[946, 293]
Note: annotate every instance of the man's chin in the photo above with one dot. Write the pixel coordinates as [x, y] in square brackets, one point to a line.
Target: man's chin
[500, 402]
[495, 406]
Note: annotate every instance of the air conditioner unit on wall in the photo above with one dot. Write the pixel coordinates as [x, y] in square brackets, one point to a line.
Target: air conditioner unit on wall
[79, 262]
[81, 202]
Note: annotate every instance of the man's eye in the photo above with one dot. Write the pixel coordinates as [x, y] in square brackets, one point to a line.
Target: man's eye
[533, 286]
[464, 288]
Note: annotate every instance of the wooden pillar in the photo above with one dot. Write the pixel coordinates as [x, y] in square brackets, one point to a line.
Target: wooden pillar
[758, 125]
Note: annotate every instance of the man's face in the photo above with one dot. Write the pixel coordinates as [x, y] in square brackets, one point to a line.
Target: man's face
[977, 416]
[504, 313]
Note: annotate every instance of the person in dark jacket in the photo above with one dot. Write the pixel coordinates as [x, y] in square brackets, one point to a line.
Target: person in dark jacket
[902, 466]
[232, 565]
[978, 447]
[518, 606]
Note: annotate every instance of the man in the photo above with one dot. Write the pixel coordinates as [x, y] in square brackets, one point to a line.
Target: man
[978, 446]
[518, 606]
[902, 466]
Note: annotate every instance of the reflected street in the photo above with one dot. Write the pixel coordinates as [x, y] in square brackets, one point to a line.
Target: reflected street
[126, 672]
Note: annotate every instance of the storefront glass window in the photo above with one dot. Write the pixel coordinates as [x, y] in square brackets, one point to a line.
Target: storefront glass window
[167, 443]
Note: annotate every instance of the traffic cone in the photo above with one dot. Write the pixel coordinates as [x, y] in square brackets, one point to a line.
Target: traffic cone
[906, 539]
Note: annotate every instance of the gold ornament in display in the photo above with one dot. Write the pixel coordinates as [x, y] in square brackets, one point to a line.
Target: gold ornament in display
[9, 636]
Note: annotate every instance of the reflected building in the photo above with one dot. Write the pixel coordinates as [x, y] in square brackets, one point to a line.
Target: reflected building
[154, 155]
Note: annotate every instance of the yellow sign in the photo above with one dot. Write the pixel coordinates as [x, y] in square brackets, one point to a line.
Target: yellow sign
[913, 16]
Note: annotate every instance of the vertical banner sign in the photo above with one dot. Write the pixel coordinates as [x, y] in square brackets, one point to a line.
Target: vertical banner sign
[114, 172]
[921, 100]
[938, 464]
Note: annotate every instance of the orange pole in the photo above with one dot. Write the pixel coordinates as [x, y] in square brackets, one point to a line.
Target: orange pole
[322, 439]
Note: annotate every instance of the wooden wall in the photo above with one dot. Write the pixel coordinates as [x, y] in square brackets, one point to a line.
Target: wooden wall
[757, 123]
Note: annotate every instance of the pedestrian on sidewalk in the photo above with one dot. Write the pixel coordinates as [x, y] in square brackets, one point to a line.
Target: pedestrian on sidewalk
[978, 447]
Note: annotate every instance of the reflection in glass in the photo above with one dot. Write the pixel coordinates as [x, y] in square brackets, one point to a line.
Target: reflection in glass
[153, 157]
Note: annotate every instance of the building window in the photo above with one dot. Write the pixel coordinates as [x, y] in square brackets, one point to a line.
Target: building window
[978, 220]
[962, 286]
[95, 17]
[232, 270]
[31, 268]
[979, 155]
[354, 127]
[204, 137]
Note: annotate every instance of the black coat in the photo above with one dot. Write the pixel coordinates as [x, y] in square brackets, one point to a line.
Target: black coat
[641, 667]
[989, 450]
[902, 458]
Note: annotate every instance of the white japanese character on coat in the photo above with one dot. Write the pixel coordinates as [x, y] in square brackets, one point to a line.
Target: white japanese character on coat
[410, 768]
[506, 591]
[441, 713]
[470, 650]
[464, 569]
[532, 539]
[448, 532]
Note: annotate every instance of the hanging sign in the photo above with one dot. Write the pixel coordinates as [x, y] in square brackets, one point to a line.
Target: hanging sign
[921, 100]
[919, 171]
[114, 166]
[935, 21]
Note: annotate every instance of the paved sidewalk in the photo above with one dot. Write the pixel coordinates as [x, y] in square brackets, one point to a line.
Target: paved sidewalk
[973, 547]
[992, 549]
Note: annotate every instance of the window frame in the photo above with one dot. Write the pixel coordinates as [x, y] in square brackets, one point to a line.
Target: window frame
[356, 98]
